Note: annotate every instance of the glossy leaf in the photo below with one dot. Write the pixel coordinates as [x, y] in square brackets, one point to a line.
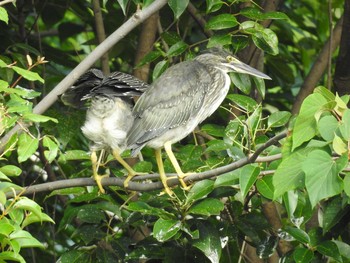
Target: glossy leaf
[178, 7]
[267, 41]
[298, 234]
[123, 4]
[278, 118]
[177, 49]
[27, 146]
[219, 40]
[149, 57]
[200, 190]
[247, 177]
[164, 229]
[207, 207]
[302, 255]
[3, 15]
[29, 75]
[213, 5]
[209, 243]
[52, 151]
[159, 69]
[330, 249]
[222, 21]
[244, 102]
[28, 116]
[11, 170]
[265, 187]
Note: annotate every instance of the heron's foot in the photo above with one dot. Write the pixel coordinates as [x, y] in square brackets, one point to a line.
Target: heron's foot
[181, 177]
[167, 190]
[131, 175]
[98, 178]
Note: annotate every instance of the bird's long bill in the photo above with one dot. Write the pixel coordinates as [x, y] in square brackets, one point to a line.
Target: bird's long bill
[240, 67]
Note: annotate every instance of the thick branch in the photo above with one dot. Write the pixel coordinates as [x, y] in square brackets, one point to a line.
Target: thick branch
[143, 187]
[318, 68]
[101, 34]
[49, 99]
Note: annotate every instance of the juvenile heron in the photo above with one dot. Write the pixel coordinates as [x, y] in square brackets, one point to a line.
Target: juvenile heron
[184, 96]
[109, 116]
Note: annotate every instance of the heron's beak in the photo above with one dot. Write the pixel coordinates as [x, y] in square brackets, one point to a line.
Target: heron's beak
[240, 67]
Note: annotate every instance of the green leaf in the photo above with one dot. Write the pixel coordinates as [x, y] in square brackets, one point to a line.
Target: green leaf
[333, 212]
[222, 21]
[25, 239]
[213, 5]
[256, 14]
[6, 228]
[244, 102]
[345, 125]
[209, 242]
[242, 82]
[145, 208]
[29, 116]
[74, 256]
[3, 65]
[289, 174]
[177, 49]
[213, 129]
[298, 234]
[29, 75]
[247, 177]
[123, 4]
[28, 205]
[219, 40]
[207, 207]
[178, 7]
[159, 69]
[347, 184]
[74, 155]
[344, 249]
[227, 179]
[6, 256]
[171, 38]
[200, 190]
[303, 255]
[329, 249]
[322, 176]
[339, 146]
[149, 57]
[278, 119]
[327, 127]
[3, 15]
[11, 170]
[33, 218]
[266, 40]
[305, 126]
[27, 146]
[90, 214]
[265, 186]
[260, 85]
[52, 151]
[164, 229]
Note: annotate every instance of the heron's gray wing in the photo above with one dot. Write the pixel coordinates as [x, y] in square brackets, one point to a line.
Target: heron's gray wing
[83, 86]
[170, 102]
[120, 84]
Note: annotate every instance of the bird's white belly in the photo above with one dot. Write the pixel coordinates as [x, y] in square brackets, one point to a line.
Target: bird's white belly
[109, 131]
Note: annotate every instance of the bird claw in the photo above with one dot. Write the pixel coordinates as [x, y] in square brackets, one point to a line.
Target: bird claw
[130, 176]
[98, 178]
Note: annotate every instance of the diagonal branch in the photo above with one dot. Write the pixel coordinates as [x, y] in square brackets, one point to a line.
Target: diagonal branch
[144, 187]
[49, 99]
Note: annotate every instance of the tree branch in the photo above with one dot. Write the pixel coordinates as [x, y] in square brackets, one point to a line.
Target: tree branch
[144, 187]
[49, 99]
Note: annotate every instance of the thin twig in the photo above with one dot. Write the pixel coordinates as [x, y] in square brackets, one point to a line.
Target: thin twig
[142, 186]
[6, 2]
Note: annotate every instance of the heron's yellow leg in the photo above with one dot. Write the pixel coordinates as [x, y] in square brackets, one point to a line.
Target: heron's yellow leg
[175, 163]
[131, 172]
[161, 171]
[95, 164]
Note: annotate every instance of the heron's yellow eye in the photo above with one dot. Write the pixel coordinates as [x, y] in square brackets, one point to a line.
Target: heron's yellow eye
[231, 59]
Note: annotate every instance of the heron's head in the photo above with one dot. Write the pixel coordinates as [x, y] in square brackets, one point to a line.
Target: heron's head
[222, 59]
